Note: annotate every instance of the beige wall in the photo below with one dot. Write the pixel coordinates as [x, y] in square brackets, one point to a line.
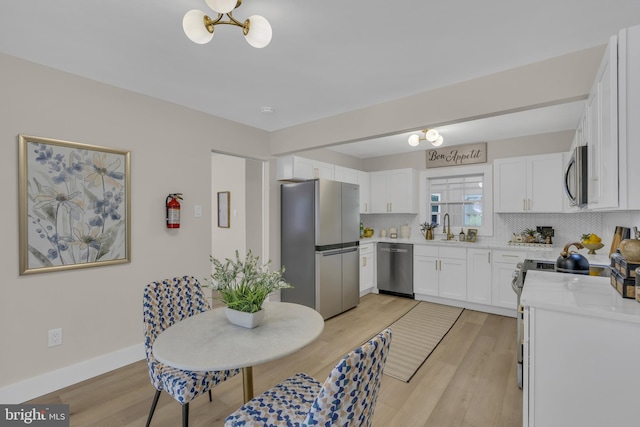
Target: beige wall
[228, 174]
[100, 309]
[554, 142]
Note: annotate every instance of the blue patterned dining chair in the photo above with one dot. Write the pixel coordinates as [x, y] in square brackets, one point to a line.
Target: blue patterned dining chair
[347, 397]
[165, 303]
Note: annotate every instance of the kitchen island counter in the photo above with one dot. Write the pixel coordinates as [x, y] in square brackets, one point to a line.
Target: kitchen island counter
[580, 352]
[578, 294]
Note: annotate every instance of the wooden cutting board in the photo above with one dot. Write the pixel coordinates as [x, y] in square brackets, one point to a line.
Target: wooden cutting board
[619, 235]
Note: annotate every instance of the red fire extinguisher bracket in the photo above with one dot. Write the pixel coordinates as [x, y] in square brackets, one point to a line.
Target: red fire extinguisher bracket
[173, 210]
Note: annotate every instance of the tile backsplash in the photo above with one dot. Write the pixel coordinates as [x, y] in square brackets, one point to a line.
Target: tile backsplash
[568, 227]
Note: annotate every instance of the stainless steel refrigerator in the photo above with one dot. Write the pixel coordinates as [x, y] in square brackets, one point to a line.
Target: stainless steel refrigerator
[320, 234]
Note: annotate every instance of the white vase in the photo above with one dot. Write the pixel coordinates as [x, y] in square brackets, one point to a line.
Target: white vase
[246, 320]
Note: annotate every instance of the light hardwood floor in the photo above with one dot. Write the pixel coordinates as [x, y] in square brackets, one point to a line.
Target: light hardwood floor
[469, 379]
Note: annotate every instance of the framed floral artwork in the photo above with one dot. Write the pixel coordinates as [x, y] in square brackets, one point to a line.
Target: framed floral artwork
[74, 205]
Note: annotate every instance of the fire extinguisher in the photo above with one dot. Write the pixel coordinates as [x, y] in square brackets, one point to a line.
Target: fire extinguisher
[173, 210]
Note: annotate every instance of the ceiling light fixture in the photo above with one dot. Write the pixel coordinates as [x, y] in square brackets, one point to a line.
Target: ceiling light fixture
[198, 26]
[431, 135]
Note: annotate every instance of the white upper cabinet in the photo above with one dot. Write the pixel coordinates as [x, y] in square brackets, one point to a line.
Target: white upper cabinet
[602, 132]
[394, 191]
[343, 174]
[628, 116]
[528, 184]
[294, 168]
[364, 181]
[361, 178]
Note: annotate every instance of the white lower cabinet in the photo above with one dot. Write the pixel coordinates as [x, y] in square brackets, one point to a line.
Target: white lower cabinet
[367, 267]
[440, 271]
[504, 264]
[479, 276]
[580, 370]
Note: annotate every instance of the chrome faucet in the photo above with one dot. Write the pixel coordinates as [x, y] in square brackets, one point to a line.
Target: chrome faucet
[447, 228]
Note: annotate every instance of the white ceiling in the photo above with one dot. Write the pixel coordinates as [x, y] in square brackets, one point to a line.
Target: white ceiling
[326, 57]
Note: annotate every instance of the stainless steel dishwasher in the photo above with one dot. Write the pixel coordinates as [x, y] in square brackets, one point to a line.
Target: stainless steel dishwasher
[395, 268]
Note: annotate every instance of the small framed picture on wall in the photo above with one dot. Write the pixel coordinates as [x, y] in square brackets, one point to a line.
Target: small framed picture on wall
[472, 234]
[224, 203]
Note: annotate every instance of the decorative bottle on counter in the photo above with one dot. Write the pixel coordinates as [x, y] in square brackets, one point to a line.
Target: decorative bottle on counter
[361, 230]
[462, 236]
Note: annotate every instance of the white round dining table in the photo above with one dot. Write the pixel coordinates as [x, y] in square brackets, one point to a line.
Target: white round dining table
[209, 342]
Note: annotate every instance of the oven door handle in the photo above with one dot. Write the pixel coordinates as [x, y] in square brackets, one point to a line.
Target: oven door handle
[514, 285]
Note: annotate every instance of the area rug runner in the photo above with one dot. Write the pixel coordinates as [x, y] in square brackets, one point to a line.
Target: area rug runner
[415, 335]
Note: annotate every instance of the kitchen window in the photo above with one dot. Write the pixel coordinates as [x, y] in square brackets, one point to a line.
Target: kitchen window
[464, 193]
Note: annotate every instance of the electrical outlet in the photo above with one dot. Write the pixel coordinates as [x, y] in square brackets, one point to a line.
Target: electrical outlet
[55, 337]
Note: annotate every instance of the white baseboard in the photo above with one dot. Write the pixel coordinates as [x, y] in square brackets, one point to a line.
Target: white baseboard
[64, 377]
[468, 305]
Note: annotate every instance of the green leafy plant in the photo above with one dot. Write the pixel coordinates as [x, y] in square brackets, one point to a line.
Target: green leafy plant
[244, 284]
[426, 226]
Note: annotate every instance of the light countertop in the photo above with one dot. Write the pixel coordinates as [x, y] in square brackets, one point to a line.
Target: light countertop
[540, 253]
[578, 294]
[486, 244]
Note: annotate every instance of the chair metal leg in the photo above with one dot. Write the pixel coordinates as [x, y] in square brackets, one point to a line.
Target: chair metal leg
[210, 397]
[153, 407]
[185, 415]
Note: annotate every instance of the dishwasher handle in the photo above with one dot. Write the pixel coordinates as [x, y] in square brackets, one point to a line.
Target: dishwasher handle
[394, 250]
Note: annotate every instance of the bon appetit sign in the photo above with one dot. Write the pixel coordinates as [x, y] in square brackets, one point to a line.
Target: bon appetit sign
[457, 156]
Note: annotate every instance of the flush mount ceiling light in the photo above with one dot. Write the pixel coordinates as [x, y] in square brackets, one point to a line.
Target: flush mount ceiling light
[431, 135]
[198, 26]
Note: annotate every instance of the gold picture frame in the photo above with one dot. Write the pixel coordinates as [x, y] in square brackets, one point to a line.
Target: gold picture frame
[472, 234]
[224, 208]
[74, 205]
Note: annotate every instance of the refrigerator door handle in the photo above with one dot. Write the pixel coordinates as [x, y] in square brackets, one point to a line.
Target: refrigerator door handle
[338, 251]
[346, 251]
[330, 253]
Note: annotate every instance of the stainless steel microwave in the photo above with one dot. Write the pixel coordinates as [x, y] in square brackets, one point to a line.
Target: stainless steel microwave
[576, 177]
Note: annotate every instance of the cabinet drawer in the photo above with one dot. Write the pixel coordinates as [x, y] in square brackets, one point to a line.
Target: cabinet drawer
[511, 257]
[425, 250]
[366, 248]
[457, 253]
